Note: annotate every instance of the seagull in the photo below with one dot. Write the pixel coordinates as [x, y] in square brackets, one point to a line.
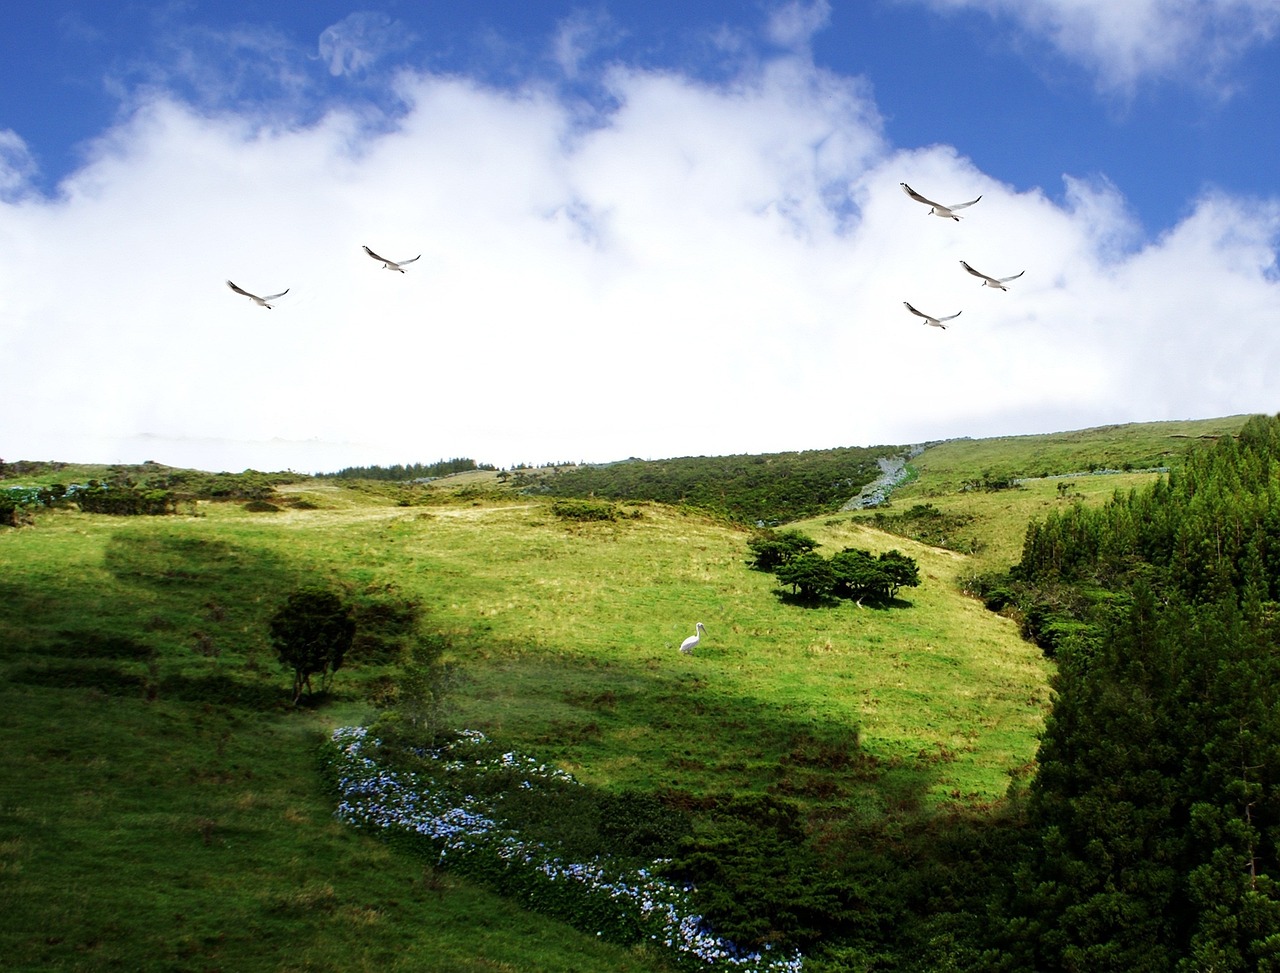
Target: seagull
[260, 301]
[992, 281]
[930, 319]
[390, 264]
[937, 208]
[688, 644]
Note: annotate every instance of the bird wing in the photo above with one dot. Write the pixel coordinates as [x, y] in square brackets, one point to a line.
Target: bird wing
[239, 290]
[977, 273]
[919, 314]
[374, 255]
[950, 316]
[917, 197]
[1005, 280]
[409, 261]
[963, 205]
[272, 297]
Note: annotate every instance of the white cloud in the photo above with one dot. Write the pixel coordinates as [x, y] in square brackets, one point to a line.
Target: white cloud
[236, 69]
[708, 268]
[579, 36]
[17, 167]
[792, 25]
[1123, 44]
[357, 42]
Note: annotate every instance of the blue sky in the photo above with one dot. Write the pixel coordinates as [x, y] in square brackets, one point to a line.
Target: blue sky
[648, 228]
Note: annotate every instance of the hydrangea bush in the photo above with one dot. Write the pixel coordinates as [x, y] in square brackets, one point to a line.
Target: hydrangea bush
[465, 834]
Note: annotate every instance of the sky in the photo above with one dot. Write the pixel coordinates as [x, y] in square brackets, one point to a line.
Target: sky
[647, 227]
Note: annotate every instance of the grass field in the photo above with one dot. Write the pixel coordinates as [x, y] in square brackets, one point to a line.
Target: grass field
[159, 801]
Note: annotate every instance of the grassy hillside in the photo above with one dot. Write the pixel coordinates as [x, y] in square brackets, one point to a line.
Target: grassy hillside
[159, 801]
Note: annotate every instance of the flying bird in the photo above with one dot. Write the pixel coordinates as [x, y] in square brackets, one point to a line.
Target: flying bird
[992, 281]
[260, 301]
[929, 318]
[390, 264]
[688, 644]
[937, 208]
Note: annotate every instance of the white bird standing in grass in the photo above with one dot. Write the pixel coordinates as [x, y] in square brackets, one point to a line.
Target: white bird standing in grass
[937, 209]
[929, 319]
[688, 644]
[390, 264]
[260, 301]
[992, 281]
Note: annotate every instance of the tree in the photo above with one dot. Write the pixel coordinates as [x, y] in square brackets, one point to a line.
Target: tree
[771, 548]
[311, 633]
[810, 575]
[899, 571]
[857, 573]
[861, 575]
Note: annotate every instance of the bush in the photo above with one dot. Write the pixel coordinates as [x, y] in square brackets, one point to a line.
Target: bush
[585, 510]
[758, 880]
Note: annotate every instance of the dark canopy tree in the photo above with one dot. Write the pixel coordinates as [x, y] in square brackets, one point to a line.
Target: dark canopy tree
[810, 576]
[312, 632]
[772, 548]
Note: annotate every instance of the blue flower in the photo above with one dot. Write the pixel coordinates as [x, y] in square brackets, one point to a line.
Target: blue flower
[372, 797]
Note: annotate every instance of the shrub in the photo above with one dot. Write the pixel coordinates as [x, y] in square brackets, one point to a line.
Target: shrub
[585, 510]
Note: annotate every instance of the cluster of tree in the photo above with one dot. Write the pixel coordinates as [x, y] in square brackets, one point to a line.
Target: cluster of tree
[851, 573]
[771, 488]
[410, 471]
[1155, 815]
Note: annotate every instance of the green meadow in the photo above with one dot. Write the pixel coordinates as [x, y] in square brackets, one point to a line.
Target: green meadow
[160, 801]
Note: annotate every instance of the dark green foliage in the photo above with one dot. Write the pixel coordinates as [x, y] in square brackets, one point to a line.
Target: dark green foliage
[852, 573]
[861, 575]
[198, 485]
[927, 524]
[126, 501]
[768, 489]
[640, 826]
[311, 633]
[757, 877]
[770, 549]
[146, 489]
[411, 471]
[1157, 803]
[810, 576]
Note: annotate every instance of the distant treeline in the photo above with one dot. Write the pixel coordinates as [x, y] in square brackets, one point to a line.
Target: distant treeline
[411, 471]
[772, 488]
